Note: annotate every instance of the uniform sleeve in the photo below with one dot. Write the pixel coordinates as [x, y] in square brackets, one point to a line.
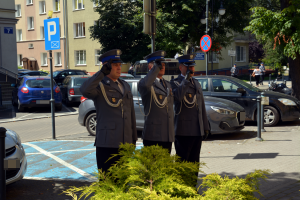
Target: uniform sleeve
[204, 116]
[89, 87]
[146, 82]
[179, 91]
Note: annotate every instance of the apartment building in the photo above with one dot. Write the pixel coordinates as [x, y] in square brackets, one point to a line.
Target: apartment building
[8, 48]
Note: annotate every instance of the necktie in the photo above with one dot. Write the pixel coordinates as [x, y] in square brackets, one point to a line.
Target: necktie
[121, 89]
[161, 82]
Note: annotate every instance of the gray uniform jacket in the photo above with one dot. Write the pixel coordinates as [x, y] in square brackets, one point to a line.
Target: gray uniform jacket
[112, 129]
[234, 71]
[159, 124]
[189, 121]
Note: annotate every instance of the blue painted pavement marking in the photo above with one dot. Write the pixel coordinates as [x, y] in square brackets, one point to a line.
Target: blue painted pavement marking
[75, 160]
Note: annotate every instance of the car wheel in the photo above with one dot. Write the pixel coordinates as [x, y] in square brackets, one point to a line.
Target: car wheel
[90, 123]
[271, 116]
[58, 108]
[20, 107]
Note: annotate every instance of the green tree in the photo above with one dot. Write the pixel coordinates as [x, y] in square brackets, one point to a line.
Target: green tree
[283, 28]
[178, 25]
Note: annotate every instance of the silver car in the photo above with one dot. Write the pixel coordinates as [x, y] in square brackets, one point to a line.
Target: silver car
[14, 150]
[224, 116]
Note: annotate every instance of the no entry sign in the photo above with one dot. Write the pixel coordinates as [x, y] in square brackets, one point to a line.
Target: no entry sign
[205, 43]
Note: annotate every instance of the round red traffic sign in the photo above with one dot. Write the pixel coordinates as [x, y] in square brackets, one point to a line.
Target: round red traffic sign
[205, 43]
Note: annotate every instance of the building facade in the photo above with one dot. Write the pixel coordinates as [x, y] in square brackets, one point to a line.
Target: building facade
[8, 48]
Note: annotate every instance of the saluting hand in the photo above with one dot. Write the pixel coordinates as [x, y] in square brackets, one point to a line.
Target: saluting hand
[189, 74]
[106, 68]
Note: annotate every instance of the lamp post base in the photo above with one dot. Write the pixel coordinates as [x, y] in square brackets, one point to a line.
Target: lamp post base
[258, 139]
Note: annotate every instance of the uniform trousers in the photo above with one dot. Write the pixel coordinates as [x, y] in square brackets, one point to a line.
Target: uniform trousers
[165, 145]
[188, 147]
[103, 154]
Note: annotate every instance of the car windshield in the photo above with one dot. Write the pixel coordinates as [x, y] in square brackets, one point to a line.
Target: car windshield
[38, 83]
[54, 74]
[248, 86]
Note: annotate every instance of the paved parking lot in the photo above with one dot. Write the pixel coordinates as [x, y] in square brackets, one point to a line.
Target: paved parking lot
[62, 159]
[11, 113]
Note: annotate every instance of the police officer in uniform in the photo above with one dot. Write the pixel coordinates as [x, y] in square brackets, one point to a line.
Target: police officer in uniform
[114, 106]
[234, 71]
[157, 99]
[191, 123]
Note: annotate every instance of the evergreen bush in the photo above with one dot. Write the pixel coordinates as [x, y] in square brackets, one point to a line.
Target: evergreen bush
[151, 173]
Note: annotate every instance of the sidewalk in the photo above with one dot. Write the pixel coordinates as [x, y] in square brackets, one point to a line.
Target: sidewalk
[279, 152]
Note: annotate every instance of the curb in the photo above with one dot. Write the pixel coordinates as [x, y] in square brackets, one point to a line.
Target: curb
[40, 117]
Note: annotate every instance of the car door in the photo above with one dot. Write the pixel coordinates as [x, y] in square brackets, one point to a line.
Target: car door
[64, 88]
[138, 106]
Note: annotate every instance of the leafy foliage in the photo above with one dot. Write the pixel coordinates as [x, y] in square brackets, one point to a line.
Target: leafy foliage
[283, 27]
[151, 173]
[178, 25]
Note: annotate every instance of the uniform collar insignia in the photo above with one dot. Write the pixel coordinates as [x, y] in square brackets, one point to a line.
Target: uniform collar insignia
[107, 81]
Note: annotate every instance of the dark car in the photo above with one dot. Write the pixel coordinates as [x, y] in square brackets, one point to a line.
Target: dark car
[31, 73]
[70, 88]
[34, 91]
[60, 75]
[281, 106]
[224, 116]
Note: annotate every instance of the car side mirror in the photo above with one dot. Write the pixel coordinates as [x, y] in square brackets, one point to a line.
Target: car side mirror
[241, 90]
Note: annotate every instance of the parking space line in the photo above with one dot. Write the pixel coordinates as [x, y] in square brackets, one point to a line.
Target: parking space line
[63, 151]
[25, 115]
[81, 172]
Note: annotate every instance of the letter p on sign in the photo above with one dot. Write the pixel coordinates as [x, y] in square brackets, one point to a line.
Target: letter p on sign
[52, 34]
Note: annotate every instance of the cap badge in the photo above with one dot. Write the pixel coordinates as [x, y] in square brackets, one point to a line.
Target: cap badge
[162, 53]
[118, 52]
[191, 56]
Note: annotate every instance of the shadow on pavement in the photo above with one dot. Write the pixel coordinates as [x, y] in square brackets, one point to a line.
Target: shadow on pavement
[7, 113]
[277, 185]
[40, 189]
[242, 135]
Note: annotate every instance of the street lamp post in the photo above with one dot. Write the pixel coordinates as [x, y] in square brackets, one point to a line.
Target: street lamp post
[205, 21]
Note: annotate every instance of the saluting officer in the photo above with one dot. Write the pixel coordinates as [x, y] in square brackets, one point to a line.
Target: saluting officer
[234, 71]
[114, 106]
[157, 99]
[191, 124]
[262, 74]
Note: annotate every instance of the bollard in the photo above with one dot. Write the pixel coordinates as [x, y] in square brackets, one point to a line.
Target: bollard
[262, 114]
[258, 119]
[250, 79]
[269, 79]
[2, 171]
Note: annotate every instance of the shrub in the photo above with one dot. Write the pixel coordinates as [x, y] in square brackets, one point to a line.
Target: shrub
[151, 173]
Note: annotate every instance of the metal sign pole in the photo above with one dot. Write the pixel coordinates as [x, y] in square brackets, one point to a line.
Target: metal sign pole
[2, 171]
[258, 119]
[52, 100]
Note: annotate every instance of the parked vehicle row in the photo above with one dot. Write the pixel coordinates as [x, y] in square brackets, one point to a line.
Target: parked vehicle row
[224, 116]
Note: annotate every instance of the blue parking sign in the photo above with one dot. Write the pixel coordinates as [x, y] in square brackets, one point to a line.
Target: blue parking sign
[199, 56]
[52, 34]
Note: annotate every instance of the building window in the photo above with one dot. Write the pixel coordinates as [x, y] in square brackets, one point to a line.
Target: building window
[79, 29]
[97, 55]
[30, 23]
[19, 35]
[57, 58]
[29, 2]
[42, 5]
[80, 57]
[42, 33]
[56, 5]
[44, 59]
[78, 4]
[96, 3]
[97, 23]
[240, 54]
[20, 57]
[18, 10]
[30, 46]
[215, 57]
